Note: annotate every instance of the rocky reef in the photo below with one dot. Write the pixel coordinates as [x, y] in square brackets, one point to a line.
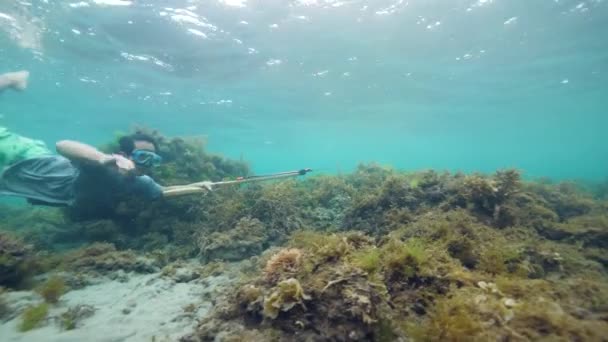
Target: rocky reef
[14, 258]
[425, 257]
[376, 254]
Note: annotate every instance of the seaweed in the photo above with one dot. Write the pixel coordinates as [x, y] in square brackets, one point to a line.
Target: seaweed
[33, 317]
[73, 316]
[286, 262]
[4, 307]
[284, 297]
[377, 254]
[445, 276]
[52, 289]
[247, 238]
[102, 258]
[14, 258]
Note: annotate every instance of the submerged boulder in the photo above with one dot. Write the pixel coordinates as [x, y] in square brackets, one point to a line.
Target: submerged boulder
[14, 254]
[246, 239]
[103, 258]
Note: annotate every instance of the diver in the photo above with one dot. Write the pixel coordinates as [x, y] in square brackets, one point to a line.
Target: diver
[83, 178]
[80, 173]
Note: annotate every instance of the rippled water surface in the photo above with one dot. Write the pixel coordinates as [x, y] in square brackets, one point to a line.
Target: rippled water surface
[459, 84]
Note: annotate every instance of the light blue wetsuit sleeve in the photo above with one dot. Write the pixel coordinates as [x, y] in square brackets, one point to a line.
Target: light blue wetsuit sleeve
[147, 187]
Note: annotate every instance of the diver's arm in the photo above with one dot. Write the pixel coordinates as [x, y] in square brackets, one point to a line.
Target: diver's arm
[174, 191]
[189, 189]
[78, 151]
[75, 150]
[15, 80]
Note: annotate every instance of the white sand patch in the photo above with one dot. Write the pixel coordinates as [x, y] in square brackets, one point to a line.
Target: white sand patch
[141, 308]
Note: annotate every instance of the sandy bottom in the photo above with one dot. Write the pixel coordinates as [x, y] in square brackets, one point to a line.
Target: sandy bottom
[135, 308]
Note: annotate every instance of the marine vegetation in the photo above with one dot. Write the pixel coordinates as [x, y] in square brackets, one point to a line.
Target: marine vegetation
[429, 257]
[101, 258]
[230, 245]
[14, 256]
[376, 254]
[4, 308]
[413, 284]
[52, 289]
[72, 317]
[33, 316]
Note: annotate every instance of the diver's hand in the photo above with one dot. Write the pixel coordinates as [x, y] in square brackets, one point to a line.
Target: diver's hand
[208, 186]
[18, 79]
[122, 164]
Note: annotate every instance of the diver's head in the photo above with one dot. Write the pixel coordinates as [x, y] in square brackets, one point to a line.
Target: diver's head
[141, 149]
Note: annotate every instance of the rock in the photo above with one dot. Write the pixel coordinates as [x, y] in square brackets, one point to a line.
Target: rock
[184, 275]
[13, 256]
[246, 239]
[509, 302]
[480, 299]
[120, 276]
[72, 318]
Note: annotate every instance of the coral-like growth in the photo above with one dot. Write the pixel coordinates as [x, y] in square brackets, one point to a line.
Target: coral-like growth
[52, 289]
[311, 289]
[275, 205]
[377, 254]
[247, 238]
[486, 312]
[368, 259]
[286, 262]
[590, 230]
[101, 258]
[33, 317]
[14, 255]
[446, 276]
[72, 317]
[287, 294]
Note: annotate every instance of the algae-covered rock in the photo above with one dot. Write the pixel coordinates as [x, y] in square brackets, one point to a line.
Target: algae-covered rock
[286, 262]
[102, 258]
[489, 313]
[52, 289]
[101, 230]
[14, 255]
[306, 292]
[247, 238]
[4, 307]
[445, 276]
[377, 254]
[591, 230]
[287, 294]
[73, 316]
[276, 206]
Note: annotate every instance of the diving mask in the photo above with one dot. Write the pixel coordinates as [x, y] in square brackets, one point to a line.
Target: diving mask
[146, 158]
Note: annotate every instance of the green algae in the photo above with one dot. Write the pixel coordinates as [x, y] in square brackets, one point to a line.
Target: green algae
[71, 318]
[15, 256]
[286, 295]
[52, 289]
[377, 254]
[4, 307]
[33, 317]
[474, 263]
[368, 260]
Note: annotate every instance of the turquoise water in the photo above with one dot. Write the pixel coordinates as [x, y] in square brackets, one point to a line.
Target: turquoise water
[461, 85]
